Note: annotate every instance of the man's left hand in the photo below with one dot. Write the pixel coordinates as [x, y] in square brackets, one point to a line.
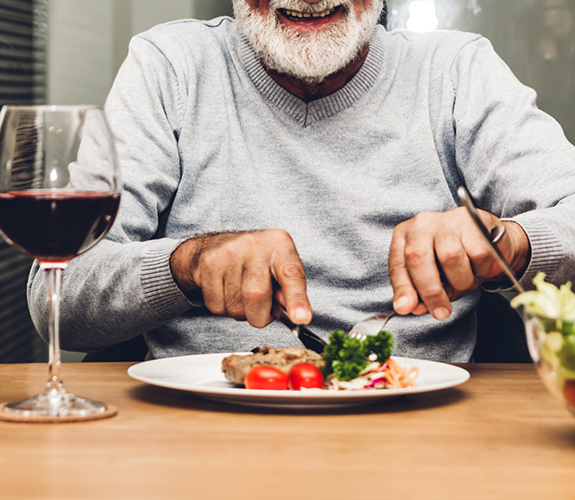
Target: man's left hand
[435, 258]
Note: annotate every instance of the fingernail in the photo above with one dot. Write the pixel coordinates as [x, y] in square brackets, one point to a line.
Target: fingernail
[399, 303]
[441, 313]
[300, 315]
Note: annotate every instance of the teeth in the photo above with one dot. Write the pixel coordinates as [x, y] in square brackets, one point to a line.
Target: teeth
[294, 13]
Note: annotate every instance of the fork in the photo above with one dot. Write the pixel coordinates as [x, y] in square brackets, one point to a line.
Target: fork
[374, 324]
[370, 326]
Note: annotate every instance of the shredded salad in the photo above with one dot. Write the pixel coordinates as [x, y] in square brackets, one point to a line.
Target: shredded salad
[351, 364]
[388, 375]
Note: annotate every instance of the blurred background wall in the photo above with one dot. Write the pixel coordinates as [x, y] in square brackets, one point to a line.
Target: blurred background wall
[68, 51]
[536, 38]
[88, 40]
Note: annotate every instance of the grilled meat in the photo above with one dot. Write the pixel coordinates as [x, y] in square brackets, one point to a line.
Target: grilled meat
[236, 366]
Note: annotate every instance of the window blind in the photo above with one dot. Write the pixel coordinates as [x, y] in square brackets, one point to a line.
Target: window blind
[23, 38]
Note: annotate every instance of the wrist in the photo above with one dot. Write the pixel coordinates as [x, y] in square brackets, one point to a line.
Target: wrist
[520, 248]
[181, 266]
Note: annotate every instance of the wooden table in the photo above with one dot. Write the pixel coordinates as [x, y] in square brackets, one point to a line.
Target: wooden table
[498, 436]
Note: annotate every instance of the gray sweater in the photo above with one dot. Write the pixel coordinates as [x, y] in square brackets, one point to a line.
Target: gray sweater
[209, 142]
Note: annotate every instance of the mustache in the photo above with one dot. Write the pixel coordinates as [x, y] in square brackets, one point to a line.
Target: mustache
[302, 6]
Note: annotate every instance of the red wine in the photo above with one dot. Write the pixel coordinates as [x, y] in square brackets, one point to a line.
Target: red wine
[56, 225]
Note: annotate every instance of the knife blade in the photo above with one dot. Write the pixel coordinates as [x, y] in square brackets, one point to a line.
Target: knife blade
[309, 339]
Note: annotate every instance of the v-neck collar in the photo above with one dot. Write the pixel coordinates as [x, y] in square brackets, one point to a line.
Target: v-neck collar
[308, 113]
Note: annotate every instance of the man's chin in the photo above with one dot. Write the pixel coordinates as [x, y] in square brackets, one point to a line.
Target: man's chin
[309, 63]
[311, 81]
[309, 50]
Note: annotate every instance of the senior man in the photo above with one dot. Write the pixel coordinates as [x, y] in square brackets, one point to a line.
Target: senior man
[303, 152]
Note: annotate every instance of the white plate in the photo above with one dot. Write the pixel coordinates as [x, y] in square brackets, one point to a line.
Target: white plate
[202, 375]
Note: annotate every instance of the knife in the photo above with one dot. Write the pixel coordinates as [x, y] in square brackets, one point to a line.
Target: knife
[309, 339]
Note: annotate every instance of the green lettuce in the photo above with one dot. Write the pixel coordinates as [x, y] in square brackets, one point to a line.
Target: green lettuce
[555, 308]
[547, 300]
[346, 357]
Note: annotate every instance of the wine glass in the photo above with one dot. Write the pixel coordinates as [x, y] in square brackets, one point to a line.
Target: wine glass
[59, 195]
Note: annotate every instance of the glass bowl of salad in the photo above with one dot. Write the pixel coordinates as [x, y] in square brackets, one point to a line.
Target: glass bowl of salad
[549, 315]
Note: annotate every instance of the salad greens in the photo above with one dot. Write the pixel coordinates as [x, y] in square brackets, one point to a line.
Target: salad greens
[547, 300]
[566, 354]
[555, 308]
[346, 357]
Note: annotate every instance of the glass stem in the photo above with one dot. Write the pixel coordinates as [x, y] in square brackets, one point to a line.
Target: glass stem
[54, 280]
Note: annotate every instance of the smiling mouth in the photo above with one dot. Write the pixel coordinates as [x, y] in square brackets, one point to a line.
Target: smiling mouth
[294, 15]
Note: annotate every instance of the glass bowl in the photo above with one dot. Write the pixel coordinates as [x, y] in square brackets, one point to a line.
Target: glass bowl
[551, 343]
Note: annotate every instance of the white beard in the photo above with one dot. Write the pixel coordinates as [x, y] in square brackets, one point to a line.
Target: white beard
[311, 55]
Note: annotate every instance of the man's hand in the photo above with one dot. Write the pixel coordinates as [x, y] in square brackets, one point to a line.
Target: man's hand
[436, 258]
[236, 273]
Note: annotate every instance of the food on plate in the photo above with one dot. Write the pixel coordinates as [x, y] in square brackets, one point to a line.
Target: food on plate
[237, 366]
[346, 364]
[387, 375]
[346, 357]
[300, 376]
[305, 376]
[266, 377]
[351, 364]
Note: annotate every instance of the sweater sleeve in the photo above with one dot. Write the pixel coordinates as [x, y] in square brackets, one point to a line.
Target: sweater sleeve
[123, 287]
[514, 158]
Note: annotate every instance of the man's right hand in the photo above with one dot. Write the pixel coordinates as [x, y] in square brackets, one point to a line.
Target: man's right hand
[235, 273]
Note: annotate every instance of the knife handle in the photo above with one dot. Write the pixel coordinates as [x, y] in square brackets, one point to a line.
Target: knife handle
[309, 339]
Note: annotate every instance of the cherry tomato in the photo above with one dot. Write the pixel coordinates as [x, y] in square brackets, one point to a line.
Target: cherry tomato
[266, 377]
[569, 392]
[305, 375]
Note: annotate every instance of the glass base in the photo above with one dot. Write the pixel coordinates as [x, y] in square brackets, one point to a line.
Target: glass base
[55, 402]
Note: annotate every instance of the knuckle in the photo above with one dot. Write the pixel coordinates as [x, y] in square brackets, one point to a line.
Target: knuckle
[292, 272]
[208, 263]
[255, 295]
[423, 218]
[281, 239]
[214, 305]
[450, 255]
[416, 253]
[246, 240]
[399, 228]
[398, 236]
[479, 254]
[432, 292]
[236, 311]
[281, 234]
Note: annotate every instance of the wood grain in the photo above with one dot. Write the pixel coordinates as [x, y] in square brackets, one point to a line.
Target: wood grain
[499, 436]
